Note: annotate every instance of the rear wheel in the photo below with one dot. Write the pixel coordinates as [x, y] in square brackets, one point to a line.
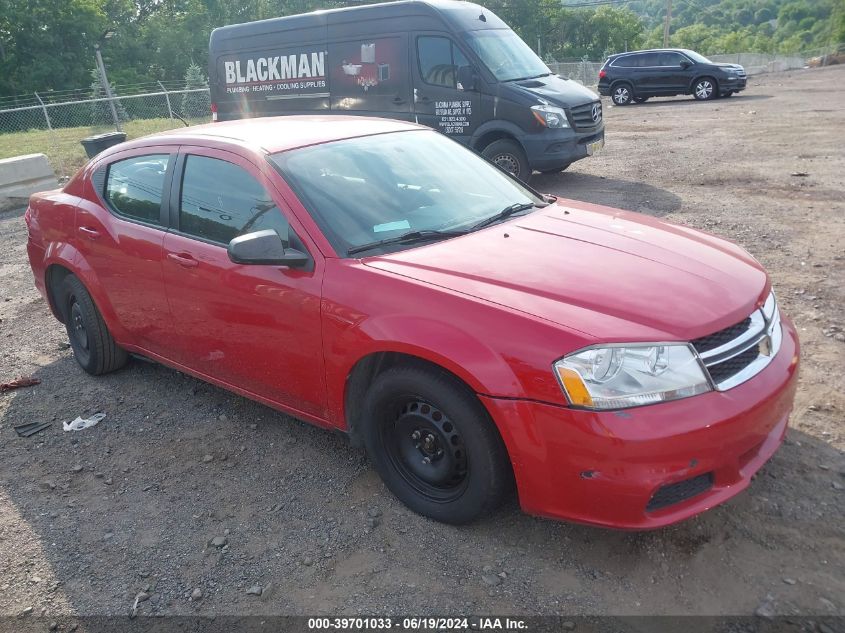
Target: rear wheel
[704, 89]
[622, 94]
[434, 445]
[508, 155]
[92, 343]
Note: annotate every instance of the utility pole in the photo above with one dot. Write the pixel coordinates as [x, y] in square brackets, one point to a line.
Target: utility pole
[104, 80]
[666, 23]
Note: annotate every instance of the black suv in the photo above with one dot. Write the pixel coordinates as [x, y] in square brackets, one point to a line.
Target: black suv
[638, 75]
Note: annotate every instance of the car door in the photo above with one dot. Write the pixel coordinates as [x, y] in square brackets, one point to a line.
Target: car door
[253, 327]
[120, 238]
[675, 77]
[650, 79]
[438, 101]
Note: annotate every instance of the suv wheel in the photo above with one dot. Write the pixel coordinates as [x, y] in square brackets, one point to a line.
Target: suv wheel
[622, 95]
[704, 89]
[434, 445]
[508, 156]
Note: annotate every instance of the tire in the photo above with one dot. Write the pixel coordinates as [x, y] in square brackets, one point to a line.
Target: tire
[556, 170]
[622, 94]
[92, 343]
[705, 89]
[508, 156]
[640, 99]
[434, 445]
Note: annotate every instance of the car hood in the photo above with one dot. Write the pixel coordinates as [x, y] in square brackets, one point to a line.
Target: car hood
[556, 90]
[611, 275]
[736, 66]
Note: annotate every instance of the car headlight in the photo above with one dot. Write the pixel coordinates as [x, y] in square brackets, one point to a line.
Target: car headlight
[550, 116]
[621, 376]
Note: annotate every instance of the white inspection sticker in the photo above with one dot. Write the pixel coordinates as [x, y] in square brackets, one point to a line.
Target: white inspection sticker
[391, 226]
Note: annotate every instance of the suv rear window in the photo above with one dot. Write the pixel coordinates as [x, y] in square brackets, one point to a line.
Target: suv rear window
[628, 61]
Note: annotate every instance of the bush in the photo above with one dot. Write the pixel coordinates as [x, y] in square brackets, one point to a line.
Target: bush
[195, 104]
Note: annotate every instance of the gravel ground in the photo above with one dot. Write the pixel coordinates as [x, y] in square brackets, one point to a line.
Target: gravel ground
[201, 499]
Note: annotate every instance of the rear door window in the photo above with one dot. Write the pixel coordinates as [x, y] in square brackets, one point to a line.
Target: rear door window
[648, 60]
[134, 187]
[221, 200]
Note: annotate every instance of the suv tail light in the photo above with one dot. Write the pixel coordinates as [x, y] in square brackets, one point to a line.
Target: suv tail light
[602, 73]
[214, 112]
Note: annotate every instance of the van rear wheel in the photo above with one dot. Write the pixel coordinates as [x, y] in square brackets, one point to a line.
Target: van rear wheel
[508, 156]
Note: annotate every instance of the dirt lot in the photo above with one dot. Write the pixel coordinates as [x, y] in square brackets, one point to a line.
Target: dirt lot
[89, 519]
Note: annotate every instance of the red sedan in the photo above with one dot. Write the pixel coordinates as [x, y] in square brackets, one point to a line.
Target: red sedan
[374, 276]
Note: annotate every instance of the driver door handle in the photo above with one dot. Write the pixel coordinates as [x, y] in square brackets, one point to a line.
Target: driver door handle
[183, 259]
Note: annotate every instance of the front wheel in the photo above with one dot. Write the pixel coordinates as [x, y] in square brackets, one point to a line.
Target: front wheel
[622, 95]
[434, 445]
[704, 89]
[508, 155]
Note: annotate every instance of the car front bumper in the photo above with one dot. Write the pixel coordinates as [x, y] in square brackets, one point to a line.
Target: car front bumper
[732, 84]
[553, 149]
[605, 468]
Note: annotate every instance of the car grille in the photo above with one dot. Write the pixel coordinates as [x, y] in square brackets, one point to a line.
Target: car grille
[712, 341]
[741, 351]
[675, 493]
[582, 115]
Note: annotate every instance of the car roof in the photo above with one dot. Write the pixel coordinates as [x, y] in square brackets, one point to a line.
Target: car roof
[277, 134]
[649, 50]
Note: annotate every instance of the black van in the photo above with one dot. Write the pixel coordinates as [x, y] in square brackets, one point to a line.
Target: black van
[451, 65]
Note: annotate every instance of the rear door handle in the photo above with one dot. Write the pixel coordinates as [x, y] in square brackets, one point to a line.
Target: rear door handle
[183, 259]
[91, 234]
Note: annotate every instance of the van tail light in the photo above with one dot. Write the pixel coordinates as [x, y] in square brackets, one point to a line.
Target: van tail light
[602, 74]
[214, 112]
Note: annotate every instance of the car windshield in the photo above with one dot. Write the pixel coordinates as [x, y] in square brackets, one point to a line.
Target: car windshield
[506, 55]
[375, 188]
[699, 59]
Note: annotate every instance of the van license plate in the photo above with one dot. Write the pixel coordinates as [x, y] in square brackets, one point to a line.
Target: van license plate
[594, 147]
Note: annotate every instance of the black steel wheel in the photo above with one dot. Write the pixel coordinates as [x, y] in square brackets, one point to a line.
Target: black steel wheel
[91, 342]
[434, 445]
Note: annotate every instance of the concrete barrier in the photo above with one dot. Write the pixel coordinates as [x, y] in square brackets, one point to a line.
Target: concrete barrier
[21, 176]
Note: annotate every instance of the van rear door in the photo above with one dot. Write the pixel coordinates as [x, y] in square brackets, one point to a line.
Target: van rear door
[438, 103]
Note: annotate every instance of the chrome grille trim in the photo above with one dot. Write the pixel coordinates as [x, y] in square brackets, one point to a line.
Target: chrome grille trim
[766, 334]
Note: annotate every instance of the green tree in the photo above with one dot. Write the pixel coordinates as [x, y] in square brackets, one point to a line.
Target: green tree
[195, 104]
[100, 110]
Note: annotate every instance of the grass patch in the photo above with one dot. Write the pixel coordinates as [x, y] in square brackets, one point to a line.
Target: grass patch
[62, 145]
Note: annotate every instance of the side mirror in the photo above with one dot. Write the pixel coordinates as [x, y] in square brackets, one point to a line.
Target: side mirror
[467, 78]
[264, 247]
[686, 64]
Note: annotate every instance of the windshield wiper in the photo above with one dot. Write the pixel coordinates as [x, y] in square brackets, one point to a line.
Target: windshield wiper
[504, 214]
[411, 237]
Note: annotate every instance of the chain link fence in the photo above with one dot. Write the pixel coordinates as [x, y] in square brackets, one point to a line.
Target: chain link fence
[55, 124]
